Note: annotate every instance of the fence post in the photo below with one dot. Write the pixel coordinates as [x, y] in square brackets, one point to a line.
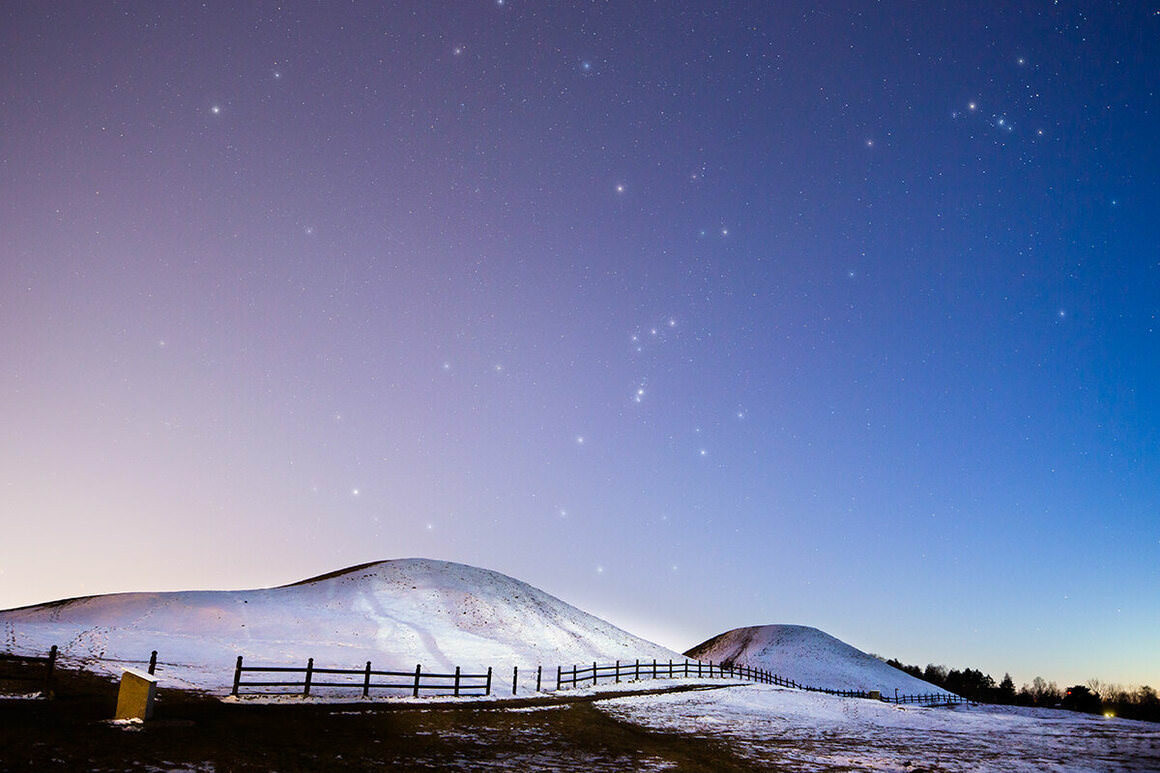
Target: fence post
[637, 669]
[539, 673]
[558, 670]
[457, 681]
[48, 673]
[309, 673]
[488, 689]
[654, 668]
[418, 668]
[594, 673]
[153, 662]
[515, 677]
[670, 668]
[618, 672]
[367, 680]
[238, 677]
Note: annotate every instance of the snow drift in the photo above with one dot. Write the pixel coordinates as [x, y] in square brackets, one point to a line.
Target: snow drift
[810, 657]
[393, 613]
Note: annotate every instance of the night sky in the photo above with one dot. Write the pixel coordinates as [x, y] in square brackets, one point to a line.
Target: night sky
[697, 315]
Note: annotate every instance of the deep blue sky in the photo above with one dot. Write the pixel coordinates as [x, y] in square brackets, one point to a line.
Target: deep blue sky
[697, 315]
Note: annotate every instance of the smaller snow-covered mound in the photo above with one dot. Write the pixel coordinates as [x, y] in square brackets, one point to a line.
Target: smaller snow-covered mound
[809, 657]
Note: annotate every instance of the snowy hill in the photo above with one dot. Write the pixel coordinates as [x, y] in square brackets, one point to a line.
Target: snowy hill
[394, 613]
[810, 657]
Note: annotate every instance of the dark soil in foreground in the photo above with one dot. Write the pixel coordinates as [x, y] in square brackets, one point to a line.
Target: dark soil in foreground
[188, 732]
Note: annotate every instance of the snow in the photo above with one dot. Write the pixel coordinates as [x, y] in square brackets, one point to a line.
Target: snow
[809, 657]
[811, 731]
[394, 613]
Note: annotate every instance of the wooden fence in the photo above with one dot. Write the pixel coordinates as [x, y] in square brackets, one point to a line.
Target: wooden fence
[579, 675]
[29, 668]
[635, 671]
[459, 683]
[16, 668]
[930, 699]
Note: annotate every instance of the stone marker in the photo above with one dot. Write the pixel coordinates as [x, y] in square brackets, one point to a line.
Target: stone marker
[135, 698]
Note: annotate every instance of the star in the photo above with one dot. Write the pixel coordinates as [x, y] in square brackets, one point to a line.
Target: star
[620, 187]
[216, 109]
[354, 492]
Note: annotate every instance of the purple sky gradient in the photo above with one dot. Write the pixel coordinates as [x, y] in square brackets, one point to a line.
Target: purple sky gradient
[697, 315]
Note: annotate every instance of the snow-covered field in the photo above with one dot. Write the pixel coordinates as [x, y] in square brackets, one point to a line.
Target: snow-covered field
[393, 613]
[795, 730]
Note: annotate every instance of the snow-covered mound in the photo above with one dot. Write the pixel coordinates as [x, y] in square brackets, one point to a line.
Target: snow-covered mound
[809, 657]
[393, 613]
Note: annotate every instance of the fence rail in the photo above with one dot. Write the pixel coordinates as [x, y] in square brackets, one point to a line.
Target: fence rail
[16, 668]
[576, 676]
[930, 699]
[458, 683]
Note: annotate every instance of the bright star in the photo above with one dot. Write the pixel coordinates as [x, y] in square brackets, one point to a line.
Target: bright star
[216, 110]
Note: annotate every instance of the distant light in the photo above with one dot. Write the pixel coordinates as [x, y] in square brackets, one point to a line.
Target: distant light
[216, 109]
[1110, 714]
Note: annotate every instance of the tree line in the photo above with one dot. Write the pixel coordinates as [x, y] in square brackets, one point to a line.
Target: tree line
[1095, 697]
